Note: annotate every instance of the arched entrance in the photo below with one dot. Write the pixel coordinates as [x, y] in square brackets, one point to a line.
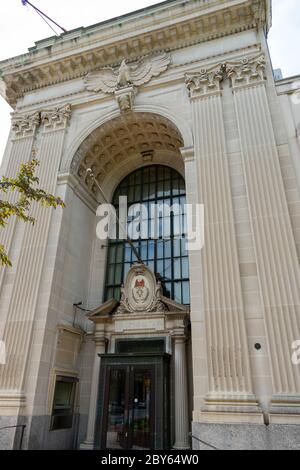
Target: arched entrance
[139, 396]
[124, 144]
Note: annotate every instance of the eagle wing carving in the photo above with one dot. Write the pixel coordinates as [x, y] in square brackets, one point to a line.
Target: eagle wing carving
[109, 80]
[151, 66]
[105, 80]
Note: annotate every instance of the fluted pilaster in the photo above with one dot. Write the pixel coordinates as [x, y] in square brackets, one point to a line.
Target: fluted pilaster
[230, 388]
[24, 132]
[23, 300]
[276, 256]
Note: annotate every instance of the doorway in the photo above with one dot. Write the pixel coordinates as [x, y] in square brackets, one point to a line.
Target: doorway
[133, 413]
[129, 408]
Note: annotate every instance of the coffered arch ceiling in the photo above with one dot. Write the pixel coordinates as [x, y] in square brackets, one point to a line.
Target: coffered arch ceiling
[143, 137]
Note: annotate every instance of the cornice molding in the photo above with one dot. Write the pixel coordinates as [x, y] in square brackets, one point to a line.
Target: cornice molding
[82, 97]
[210, 21]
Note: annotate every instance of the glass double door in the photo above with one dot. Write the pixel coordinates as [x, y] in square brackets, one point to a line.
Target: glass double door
[129, 406]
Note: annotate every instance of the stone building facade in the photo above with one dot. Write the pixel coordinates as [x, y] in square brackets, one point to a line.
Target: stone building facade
[185, 87]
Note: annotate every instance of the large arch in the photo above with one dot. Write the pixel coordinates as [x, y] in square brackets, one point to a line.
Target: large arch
[181, 123]
[125, 143]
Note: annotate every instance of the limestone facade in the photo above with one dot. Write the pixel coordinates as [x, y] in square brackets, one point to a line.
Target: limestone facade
[211, 110]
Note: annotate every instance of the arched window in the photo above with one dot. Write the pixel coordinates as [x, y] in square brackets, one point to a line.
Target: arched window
[166, 257]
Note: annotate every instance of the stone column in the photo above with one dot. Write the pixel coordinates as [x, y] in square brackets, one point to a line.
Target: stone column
[24, 132]
[230, 392]
[276, 256]
[24, 295]
[100, 343]
[181, 392]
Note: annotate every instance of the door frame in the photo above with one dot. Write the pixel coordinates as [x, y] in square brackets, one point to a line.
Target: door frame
[158, 363]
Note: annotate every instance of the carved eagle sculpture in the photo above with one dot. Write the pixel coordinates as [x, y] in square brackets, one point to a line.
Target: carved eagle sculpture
[110, 80]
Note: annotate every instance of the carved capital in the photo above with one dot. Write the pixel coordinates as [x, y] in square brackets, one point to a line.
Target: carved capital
[25, 126]
[56, 118]
[125, 98]
[205, 82]
[246, 72]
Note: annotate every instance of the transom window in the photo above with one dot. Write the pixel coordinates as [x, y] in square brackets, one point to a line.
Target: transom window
[166, 256]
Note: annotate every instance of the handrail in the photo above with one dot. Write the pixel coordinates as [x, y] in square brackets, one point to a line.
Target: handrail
[203, 442]
[23, 426]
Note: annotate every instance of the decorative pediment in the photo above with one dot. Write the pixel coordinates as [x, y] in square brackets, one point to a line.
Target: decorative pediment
[140, 295]
[104, 310]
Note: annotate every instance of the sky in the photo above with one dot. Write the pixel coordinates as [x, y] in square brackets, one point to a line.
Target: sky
[20, 27]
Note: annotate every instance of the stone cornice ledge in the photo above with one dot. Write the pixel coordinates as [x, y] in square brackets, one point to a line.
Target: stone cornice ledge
[173, 25]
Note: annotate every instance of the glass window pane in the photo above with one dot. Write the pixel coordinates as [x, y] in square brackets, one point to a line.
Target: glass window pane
[131, 194]
[153, 174]
[160, 249]
[112, 254]
[119, 258]
[136, 245]
[127, 266]
[118, 274]
[111, 275]
[152, 191]
[160, 173]
[151, 266]
[177, 268]
[144, 250]
[166, 229]
[146, 175]
[109, 293]
[138, 177]
[128, 251]
[177, 292]
[167, 173]
[168, 251]
[151, 249]
[160, 268]
[117, 293]
[137, 193]
[184, 251]
[63, 395]
[168, 269]
[160, 189]
[185, 268]
[176, 247]
[186, 293]
[175, 187]
[167, 289]
[145, 192]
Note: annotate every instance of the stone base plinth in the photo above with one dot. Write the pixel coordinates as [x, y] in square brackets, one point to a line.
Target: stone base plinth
[246, 436]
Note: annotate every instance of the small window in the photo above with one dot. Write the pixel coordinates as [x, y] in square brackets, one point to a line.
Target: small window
[63, 403]
[140, 346]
